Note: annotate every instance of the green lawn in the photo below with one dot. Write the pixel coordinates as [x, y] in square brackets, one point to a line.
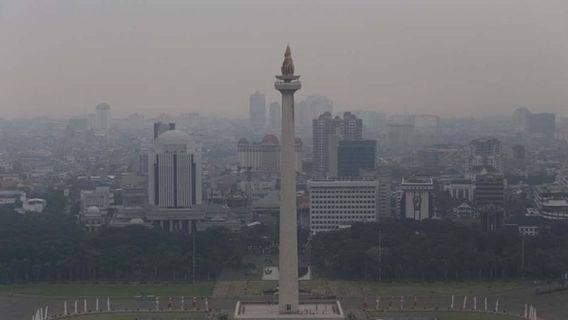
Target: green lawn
[481, 288]
[134, 316]
[374, 288]
[449, 315]
[112, 290]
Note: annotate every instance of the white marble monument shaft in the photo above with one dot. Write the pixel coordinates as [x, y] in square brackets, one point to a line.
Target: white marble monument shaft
[288, 259]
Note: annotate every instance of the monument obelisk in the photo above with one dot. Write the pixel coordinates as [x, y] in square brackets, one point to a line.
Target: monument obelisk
[289, 305]
[288, 84]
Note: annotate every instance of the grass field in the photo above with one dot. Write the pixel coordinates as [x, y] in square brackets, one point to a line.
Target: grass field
[361, 288]
[423, 289]
[450, 315]
[112, 290]
[134, 316]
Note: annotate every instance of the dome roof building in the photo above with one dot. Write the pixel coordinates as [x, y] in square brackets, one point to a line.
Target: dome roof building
[173, 141]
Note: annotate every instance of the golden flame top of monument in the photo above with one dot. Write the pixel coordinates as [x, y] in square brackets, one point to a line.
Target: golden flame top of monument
[288, 64]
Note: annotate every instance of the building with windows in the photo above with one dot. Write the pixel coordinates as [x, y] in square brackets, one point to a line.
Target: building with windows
[354, 155]
[539, 124]
[338, 203]
[484, 154]
[94, 208]
[264, 156]
[326, 131]
[460, 189]
[551, 201]
[174, 178]
[438, 159]
[489, 190]
[417, 200]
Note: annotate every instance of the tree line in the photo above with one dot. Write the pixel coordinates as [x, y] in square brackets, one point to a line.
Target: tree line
[438, 250]
[53, 248]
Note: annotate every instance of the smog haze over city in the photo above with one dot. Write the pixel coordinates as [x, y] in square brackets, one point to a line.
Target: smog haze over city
[284, 160]
[458, 58]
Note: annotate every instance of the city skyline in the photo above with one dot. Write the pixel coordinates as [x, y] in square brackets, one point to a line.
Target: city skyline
[459, 58]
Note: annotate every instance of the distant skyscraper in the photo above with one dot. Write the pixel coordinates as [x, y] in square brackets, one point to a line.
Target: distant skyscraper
[274, 115]
[303, 119]
[484, 154]
[351, 127]
[543, 124]
[540, 124]
[257, 111]
[354, 155]
[103, 118]
[318, 104]
[325, 126]
[400, 134]
[174, 171]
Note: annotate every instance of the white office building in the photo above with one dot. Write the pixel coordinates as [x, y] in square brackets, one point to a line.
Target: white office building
[174, 171]
[339, 203]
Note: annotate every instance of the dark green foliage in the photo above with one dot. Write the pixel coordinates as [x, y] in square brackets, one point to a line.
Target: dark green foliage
[53, 248]
[438, 250]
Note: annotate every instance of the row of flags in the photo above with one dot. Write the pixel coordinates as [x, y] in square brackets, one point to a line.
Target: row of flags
[172, 304]
[76, 310]
[41, 314]
[530, 311]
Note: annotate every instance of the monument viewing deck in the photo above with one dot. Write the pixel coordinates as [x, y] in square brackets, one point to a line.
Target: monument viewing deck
[325, 309]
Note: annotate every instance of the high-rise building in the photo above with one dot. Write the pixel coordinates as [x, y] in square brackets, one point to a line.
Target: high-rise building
[351, 127]
[174, 171]
[318, 104]
[325, 128]
[489, 189]
[543, 124]
[383, 174]
[484, 154]
[439, 159]
[354, 155]
[264, 156]
[375, 123]
[521, 119]
[274, 115]
[426, 130]
[340, 203]
[257, 111]
[400, 134]
[384, 205]
[538, 124]
[417, 200]
[103, 118]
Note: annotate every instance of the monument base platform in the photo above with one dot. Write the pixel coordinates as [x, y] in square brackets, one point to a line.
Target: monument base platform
[313, 309]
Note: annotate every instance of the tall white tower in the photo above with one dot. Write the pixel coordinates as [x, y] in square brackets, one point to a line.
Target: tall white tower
[289, 305]
[288, 84]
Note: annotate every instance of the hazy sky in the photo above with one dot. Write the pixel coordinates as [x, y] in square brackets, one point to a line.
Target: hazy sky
[453, 57]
